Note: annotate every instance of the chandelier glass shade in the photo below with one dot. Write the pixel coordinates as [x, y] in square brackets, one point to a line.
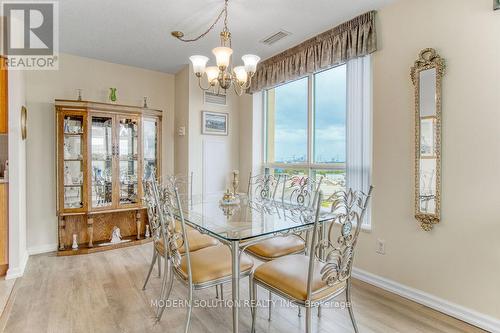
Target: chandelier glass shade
[222, 76]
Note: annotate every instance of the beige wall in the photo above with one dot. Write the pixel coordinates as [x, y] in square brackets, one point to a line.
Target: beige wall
[246, 136]
[94, 77]
[181, 120]
[189, 149]
[18, 153]
[459, 260]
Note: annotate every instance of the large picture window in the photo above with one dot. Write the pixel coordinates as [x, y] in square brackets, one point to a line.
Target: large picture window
[320, 126]
[287, 122]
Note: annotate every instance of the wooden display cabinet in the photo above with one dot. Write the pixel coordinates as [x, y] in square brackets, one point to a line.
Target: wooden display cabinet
[103, 153]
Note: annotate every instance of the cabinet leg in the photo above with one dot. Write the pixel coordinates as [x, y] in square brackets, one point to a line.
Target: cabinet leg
[90, 229]
[138, 222]
[62, 233]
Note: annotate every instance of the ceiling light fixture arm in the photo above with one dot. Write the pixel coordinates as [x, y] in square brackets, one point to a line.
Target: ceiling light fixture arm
[239, 88]
[211, 85]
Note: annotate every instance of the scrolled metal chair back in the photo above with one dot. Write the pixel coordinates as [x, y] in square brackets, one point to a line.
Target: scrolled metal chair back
[338, 252]
[170, 211]
[299, 190]
[262, 187]
[152, 210]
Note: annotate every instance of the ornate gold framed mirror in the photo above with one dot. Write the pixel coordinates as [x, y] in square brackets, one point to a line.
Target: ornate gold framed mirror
[426, 74]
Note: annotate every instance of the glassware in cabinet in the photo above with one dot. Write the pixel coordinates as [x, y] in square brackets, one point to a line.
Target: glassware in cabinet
[128, 157]
[73, 140]
[102, 151]
[150, 137]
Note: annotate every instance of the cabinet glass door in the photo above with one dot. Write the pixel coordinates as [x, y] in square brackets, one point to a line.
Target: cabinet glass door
[128, 159]
[102, 161]
[150, 148]
[73, 161]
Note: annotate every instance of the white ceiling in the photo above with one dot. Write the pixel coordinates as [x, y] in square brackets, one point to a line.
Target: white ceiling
[137, 32]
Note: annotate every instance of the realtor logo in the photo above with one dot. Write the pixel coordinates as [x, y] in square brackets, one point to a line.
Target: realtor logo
[30, 34]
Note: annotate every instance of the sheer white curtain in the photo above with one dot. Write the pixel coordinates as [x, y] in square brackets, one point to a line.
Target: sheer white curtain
[359, 126]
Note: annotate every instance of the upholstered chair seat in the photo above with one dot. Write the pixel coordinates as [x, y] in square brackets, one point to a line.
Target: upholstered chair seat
[289, 276]
[213, 263]
[277, 247]
[197, 241]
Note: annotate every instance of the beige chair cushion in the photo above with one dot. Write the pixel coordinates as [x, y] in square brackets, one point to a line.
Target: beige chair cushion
[197, 241]
[213, 263]
[277, 247]
[289, 275]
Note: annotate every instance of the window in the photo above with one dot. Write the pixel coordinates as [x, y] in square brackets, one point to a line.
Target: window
[330, 116]
[287, 122]
[320, 126]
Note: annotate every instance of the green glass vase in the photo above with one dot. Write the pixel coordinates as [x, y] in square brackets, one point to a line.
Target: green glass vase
[112, 94]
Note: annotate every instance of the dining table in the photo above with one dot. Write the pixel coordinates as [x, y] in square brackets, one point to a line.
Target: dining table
[246, 221]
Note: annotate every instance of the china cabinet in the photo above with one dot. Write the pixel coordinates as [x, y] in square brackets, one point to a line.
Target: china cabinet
[103, 153]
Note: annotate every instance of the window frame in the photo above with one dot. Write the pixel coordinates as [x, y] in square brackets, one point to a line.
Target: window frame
[310, 165]
[356, 69]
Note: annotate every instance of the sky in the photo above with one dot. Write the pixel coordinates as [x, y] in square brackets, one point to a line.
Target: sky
[329, 118]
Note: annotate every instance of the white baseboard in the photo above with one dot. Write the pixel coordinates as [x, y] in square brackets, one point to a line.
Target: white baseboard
[42, 249]
[467, 315]
[15, 272]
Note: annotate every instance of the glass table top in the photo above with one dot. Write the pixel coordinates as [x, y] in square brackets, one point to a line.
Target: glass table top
[249, 218]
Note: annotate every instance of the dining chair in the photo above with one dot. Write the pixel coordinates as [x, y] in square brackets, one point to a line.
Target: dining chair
[262, 187]
[313, 280]
[299, 190]
[197, 240]
[290, 190]
[197, 270]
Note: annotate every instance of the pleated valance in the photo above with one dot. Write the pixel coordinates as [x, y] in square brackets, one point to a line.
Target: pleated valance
[349, 40]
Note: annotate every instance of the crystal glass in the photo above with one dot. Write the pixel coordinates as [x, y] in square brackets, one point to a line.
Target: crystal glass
[128, 160]
[102, 161]
[150, 148]
[73, 159]
[73, 147]
[73, 125]
[73, 197]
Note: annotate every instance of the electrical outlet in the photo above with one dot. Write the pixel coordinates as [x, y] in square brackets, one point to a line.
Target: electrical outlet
[380, 246]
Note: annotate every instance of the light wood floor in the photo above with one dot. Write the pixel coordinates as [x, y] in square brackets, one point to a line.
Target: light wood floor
[6, 287]
[101, 292]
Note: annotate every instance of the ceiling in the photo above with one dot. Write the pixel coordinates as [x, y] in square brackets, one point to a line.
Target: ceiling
[137, 32]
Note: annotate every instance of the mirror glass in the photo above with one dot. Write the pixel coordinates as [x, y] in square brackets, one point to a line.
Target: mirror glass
[427, 195]
[426, 75]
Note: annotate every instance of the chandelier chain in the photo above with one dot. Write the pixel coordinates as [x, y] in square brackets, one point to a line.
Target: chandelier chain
[222, 76]
[224, 11]
[225, 16]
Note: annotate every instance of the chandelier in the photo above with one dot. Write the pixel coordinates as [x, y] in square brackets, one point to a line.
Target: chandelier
[223, 75]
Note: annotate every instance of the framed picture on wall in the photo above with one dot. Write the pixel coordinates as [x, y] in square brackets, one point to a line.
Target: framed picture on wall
[214, 123]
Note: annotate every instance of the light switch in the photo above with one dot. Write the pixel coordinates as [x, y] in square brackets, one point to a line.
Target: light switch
[182, 131]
